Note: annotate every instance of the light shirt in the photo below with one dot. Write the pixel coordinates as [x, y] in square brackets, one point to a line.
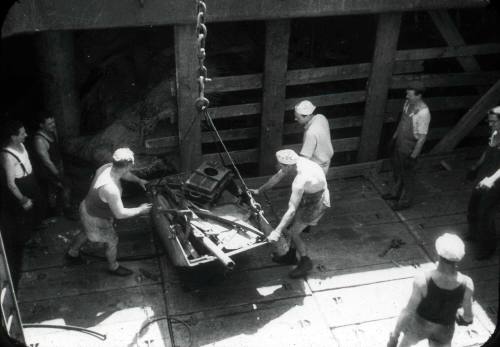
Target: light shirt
[494, 139]
[311, 177]
[421, 117]
[23, 157]
[317, 144]
[104, 178]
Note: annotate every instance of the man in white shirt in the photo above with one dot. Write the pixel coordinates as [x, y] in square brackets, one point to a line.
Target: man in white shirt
[309, 200]
[317, 143]
[410, 136]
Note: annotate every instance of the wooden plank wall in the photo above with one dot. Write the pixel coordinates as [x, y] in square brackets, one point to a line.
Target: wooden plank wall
[408, 65]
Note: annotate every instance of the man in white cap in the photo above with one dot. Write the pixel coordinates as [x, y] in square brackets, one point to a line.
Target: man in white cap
[485, 197]
[409, 137]
[102, 205]
[317, 143]
[440, 297]
[309, 200]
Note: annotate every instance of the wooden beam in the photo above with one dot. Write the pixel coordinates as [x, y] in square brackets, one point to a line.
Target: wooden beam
[307, 76]
[447, 79]
[378, 85]
[274, 92]
[469, 120]
[186, 61]
[447, 52]
[55, 52]
[30, 16]
[438, 103]
[452, 36]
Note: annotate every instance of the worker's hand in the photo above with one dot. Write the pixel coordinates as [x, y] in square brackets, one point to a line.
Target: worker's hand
[28, 204]
[254, 191]
[471, 175]
[274, 236]
[461, 321]
[486, 183]
[142, 183]
[393, 340]
[145, 208]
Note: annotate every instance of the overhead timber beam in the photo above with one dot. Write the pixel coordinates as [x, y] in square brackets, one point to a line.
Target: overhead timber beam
[189, 125]
[274, 92]
[379, 83]
[467, 123]
[452, 36]
[28, 16]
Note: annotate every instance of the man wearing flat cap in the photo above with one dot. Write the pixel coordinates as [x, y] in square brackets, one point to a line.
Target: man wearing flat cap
[409, 139]
[309, 200]
[102, 205]
[485, 197]
[317, 143]
[440, 297]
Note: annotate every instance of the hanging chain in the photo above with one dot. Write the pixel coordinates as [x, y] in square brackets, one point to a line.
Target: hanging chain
[201, 102]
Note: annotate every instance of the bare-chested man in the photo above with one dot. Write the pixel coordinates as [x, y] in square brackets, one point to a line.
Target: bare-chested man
[309, 200]
[103, 204]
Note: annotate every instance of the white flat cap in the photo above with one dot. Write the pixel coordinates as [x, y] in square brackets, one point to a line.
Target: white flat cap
[305, 108]
[495, 110]
[287, 156]
[450, 247]
[123, 154]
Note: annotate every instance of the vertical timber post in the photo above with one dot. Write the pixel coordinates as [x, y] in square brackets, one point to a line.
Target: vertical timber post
[378, 84]
[274, 92]
[186, 66]
[56, 58]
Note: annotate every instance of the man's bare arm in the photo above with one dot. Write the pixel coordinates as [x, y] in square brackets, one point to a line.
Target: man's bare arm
[129, 176]
[42, 149]
[278, 176]
[112, 196]
[293, 204]
[8, 166]
[419, 145]
[411, 308]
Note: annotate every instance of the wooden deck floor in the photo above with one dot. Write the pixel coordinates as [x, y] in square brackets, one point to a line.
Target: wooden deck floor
[351, 299]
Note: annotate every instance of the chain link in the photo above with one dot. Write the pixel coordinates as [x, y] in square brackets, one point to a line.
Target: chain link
[201, 102]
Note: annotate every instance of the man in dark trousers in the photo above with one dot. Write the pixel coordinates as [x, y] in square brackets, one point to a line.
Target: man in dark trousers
[48, 165]
[409, 138]
[485, 199]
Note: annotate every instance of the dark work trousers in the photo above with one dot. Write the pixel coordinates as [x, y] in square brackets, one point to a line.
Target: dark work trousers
[483, 205]
[404, 176]
[18, 224]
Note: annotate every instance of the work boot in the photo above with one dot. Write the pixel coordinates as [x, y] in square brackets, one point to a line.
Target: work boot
[305, 265]
[121, 271]
[289, 258]
[72, 260]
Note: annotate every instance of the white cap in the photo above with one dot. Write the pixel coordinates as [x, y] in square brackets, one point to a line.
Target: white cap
[287, 156]
[495, 110]
[305, 108]
[450, 247]
[123, 154]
